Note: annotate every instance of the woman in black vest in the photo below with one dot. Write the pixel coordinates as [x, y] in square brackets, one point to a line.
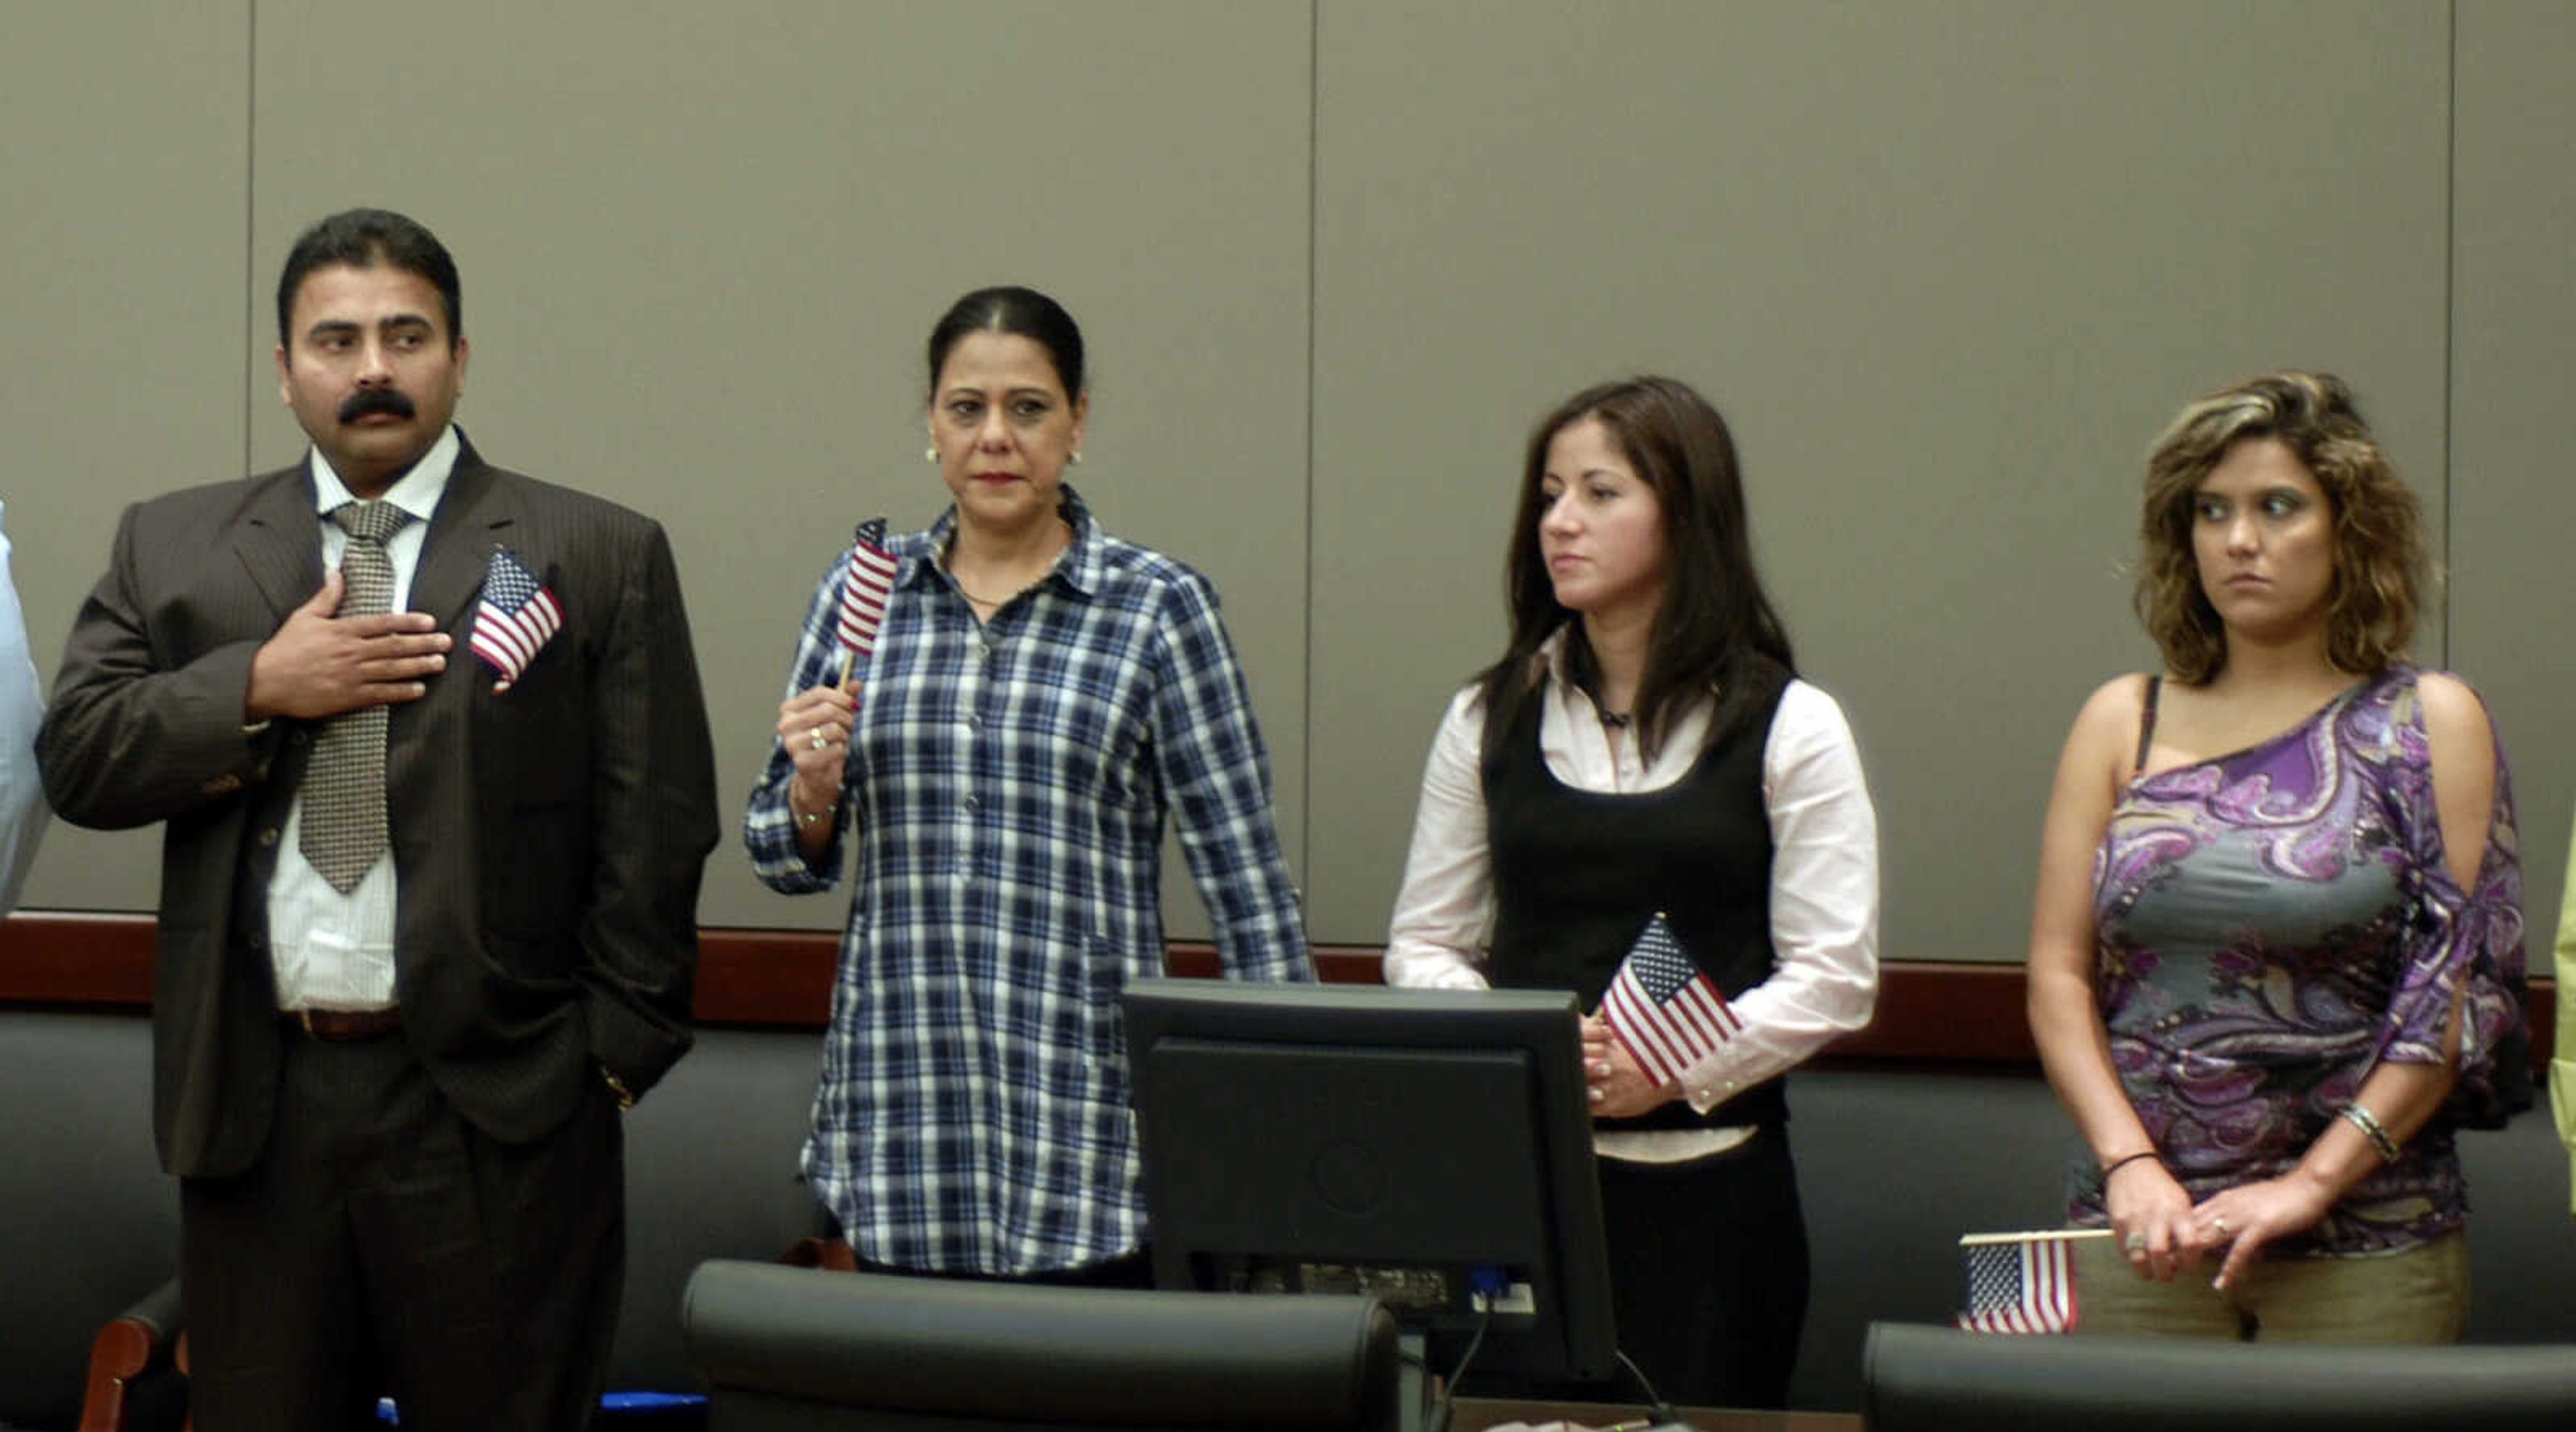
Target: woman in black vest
[1643, 762]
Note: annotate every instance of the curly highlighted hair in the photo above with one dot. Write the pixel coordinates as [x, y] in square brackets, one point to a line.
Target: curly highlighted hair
[2378, 551]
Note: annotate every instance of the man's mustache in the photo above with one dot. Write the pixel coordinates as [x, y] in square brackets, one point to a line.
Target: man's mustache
[367, 402]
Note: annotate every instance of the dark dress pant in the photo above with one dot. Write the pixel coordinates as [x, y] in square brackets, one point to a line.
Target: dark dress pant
[382, 1245]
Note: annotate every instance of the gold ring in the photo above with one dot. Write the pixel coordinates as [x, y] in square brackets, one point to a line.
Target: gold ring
[815, 736]
[2219, 1223]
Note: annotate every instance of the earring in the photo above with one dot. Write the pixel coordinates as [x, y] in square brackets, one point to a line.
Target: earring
[930, 454]
[1076, 459]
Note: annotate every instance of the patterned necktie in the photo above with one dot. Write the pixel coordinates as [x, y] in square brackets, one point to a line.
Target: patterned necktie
[344, 783]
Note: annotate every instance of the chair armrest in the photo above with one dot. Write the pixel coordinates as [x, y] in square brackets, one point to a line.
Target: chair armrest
[129, 1352]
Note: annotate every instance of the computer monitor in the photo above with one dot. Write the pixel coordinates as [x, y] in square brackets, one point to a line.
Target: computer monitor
[1432, 1148]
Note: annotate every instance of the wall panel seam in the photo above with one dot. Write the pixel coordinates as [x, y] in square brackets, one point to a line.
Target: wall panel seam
[1306, 687]
[2450, 327]
[250, 229]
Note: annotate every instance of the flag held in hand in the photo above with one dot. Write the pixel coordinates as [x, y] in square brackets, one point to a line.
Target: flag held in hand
[2020, 1282]
[864, 591]
[516, 617]
[1662, 1009]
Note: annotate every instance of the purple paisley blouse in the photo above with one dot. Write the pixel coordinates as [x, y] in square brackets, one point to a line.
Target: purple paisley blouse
[2275, 922]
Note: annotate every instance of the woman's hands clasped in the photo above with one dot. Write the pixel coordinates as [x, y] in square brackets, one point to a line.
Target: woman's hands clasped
[2152, 1216]
[2244, 1218]
[2162, 1232]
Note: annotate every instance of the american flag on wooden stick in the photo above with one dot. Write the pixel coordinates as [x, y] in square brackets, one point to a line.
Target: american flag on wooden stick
[864, 591]
[516, 617]
[1662, 1009]
[2021, 1282]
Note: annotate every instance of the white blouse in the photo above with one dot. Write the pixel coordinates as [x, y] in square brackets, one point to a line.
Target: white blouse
[1824, 881]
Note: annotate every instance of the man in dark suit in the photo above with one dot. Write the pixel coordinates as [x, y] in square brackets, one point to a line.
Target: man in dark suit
[429, 745]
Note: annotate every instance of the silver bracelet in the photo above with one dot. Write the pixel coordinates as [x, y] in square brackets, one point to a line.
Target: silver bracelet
[2371, 1129]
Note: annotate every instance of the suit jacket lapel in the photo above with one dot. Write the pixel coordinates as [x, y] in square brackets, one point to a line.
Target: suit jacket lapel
[279, 541]
[472, 515]
[473, 512]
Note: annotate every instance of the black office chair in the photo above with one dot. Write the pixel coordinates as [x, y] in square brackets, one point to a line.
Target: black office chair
[1930, 1379]
[805, 1348]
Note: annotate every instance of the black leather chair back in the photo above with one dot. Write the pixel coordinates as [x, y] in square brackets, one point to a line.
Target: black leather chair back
[1931, 1379]
[803, 1348]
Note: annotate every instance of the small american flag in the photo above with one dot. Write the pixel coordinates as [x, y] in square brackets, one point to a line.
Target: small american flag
[863, 594]
[1662, 1009]
[2020, 1282]
[515, 618]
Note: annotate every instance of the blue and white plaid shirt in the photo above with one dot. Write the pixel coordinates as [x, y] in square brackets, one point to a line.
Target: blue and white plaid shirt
[1008, 785]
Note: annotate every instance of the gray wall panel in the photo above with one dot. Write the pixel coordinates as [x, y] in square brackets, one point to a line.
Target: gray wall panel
[702, 248]
[126, 169]
[2514, 332]
[1947, 269]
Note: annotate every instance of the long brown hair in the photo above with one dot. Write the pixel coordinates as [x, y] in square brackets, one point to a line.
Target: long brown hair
[1716, 629]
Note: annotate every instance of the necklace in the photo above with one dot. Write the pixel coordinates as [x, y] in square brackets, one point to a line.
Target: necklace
[968, 594]
[947, 565]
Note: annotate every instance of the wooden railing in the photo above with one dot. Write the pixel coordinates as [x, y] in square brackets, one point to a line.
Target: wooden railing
[1952, 1012]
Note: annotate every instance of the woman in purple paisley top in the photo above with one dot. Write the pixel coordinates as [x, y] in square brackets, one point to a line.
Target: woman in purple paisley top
[2276, 953]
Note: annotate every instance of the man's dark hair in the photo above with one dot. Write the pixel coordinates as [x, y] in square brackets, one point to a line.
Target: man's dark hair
[363, 238]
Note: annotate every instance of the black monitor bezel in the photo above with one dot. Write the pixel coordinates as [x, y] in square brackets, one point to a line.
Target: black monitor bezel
[1572, 1335]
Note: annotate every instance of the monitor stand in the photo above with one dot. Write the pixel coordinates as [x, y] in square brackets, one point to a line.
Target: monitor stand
[1414, 1389]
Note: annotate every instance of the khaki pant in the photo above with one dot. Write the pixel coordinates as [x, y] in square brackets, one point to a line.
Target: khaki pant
[2418, 1296]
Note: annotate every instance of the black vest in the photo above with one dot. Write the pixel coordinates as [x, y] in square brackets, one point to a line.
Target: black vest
[1577, 874]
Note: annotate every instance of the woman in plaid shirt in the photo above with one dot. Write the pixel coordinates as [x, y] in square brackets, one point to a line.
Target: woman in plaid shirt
[1040, 694]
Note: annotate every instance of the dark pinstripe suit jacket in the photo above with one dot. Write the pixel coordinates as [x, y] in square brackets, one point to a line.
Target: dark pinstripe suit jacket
[548, 841]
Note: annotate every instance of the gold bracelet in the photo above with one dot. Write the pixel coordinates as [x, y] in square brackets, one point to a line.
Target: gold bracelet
[806, 820]
[2371, 1129]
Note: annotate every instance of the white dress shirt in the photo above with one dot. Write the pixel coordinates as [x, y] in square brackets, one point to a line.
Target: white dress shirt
[1824, 881]
[329, 950]
[23, 811]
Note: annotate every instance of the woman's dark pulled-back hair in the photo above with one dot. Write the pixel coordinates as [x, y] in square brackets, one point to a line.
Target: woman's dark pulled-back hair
[364, 238]
[1716, 630]
[1012, 309]
[2378, 553]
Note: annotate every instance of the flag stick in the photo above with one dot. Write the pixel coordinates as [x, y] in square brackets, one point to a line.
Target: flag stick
[1981, 1240]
